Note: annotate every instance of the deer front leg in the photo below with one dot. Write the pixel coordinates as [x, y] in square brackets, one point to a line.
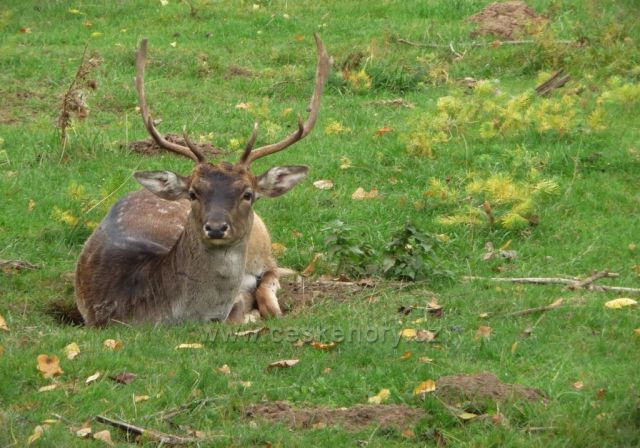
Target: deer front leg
[266, 298]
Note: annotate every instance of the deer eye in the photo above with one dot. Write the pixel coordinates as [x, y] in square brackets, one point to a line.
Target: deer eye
[192, 195]
[247, 196]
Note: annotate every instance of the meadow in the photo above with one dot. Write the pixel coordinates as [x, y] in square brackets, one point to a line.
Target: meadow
[446, 168]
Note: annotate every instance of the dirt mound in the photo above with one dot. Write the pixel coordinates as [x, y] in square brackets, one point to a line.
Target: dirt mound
[483, 386]
[300, 293]
[399, 416]
[508, 20]
[149, 147]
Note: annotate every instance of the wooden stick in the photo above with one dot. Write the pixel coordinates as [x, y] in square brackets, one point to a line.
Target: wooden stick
[478, 44]
[170, 413]
[537, 309]
[557, 80]
[154, 435]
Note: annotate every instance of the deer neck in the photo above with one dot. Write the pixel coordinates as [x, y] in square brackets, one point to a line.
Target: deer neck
[202, 280]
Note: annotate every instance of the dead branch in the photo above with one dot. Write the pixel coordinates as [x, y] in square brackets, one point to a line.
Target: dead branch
[474, 44]
[557, 80]
[573, 284]
[154, 435]
[538, 309]
[17, 265]
[168, 414]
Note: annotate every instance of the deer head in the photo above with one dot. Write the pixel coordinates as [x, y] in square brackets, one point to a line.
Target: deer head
[222, 194]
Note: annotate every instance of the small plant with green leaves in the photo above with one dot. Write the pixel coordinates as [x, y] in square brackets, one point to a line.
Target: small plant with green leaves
[354, 258]
[412, 255]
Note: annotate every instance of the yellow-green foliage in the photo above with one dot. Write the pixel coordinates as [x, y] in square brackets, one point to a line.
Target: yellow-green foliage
[486, 112]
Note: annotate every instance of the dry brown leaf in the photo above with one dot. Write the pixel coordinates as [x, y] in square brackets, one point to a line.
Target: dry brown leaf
[83, 433]
[251, 332]
[484, 332]
[93, 378]
[3, 324]
[323, 184]
[425, 336]
[194, 345]
[323, 346]
[139, 398]
[278, 249]
[285, 363]
[327, 370]
[311, 268]
[37, 433]
[425, 387]
[243, 106]
[425, 359]
[406, 355]
[31, 205]
[382, 131]
[620, 303]
[360, 194]
[113, 344]
[105, 436]
[381, 396]
[578, 385]
[49, 366]
[124, 377]
[224, 369]
[72, 350]
[637, 331]
[48, 388]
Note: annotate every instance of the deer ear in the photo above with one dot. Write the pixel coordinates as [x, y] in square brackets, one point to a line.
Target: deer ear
[280, 179]
[166, 184]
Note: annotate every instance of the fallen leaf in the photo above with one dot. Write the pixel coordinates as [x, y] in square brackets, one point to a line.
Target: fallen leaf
[483, 315]
[299, 37]
[360, 194]
[93, 378]
[483, 332]
[383, 395]
[327, 370]
[466, 416]
[578, 385]
[164, 2]
[602, 393]
[243, 106]
[32, 205]
[406, 355]
[124, 377]
[278, 249]
[425, 359]
[311, 268]
[345, 163]
[224, 369]
[637, 331]
[71, 351]
[195, 345]
[382, 131]
[323, 346]
[139, 398]
[96, 34]
[48, 388]
[245, 384]
[105, 436]
[251, 332]
[425, 387]
[620, 303]
[3, 324]
[514, 347]
[83, 433]
[113, 344]
[174, 44]
[49, 366]
[425, 336]
[1, 350]
[323, 184]
[25, 30]
[408, 333]
[285, 363]
[37, 433]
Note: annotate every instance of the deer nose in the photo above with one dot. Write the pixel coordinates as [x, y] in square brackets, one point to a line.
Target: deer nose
[216, 230]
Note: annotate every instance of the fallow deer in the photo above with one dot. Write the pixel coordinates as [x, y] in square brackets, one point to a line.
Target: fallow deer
[190, 247]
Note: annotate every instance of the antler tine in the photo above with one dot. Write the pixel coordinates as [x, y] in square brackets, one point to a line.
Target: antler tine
[322, 73]
[250, 143]
[193, 147]
[141, 57]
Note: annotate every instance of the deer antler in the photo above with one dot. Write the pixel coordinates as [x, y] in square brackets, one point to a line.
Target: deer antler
[190, 151]
[322, 73]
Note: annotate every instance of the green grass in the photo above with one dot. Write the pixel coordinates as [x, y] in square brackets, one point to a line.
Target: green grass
[591, 224]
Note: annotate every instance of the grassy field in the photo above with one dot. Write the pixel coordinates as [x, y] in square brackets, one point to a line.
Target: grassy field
[469, 155]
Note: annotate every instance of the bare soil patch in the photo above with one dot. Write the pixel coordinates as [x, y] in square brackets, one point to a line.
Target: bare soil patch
[483, 386]
[236, 71]
[300, 293]
[149, 147]
[399, 416]
[508, 20]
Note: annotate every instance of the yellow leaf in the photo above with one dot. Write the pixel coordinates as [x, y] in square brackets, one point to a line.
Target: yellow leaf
[578, 385]
[345, 163]
[637, 331]
[243, 106]
[72, 350]
[360, 194]
[285, 363]
[466, 416]
[32, 205]
[47, 388]
[382, 131]
[620, 303]
[37, 433]
[174, 44]
[93, 378]
[425, 359]
[299, 37]
[49, 366]
[224, 369]
[383, 395]
[3, 324]
[425, 387]
[287, 111]
[139, 398]
[113, 344]
[96, 34]
[335, 127]
[514, 347]
[83, 433]
[195, 345]
[278, 249]
[1, 350]
[409, 333]
[251, 332]
[105, 436]
[483, 332]
[323, 346]
[323, 184]
[164, 2]
[406, 355]
[75, 11]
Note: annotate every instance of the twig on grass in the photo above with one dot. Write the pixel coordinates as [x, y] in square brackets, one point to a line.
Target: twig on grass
[151, 434]
[168, 414]
[557, 80]
[573, 284]
[537, 309]
[474, 44]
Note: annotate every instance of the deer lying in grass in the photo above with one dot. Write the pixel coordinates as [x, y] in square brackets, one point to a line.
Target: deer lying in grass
[190, 248]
